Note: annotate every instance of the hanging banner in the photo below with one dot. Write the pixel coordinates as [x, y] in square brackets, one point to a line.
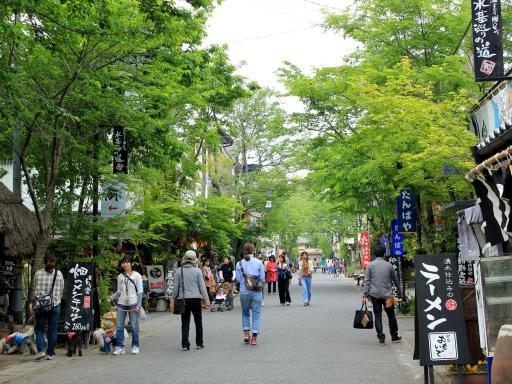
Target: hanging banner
[397, 247]
[82, 305]
[396, 262]
[466, 272]
[440, 330]
[406, 211]
[156, 279]
[364, 243]
[487, 39]
[120, 153]
[384, 241]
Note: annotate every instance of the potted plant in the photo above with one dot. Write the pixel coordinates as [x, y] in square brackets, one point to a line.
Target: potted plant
[471, 373]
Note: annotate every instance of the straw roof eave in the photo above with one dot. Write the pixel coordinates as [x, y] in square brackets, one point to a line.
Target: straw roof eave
[18, 225]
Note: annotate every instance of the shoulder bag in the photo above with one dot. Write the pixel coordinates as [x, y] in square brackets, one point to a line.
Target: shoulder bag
[363, 318]
[142, 312]
[179, 304]
[253, 283]
[45, 303]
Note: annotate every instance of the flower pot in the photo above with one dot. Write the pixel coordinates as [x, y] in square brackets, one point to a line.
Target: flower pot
[470, 378]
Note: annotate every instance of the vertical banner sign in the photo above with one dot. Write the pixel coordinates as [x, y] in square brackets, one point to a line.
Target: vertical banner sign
[487, 40]
[81, 298]
[397, 248]
[396, 262]
[466, 272]
[156, 279]
[120, 154]
[441, 329]
[406, 211]
[364, 243]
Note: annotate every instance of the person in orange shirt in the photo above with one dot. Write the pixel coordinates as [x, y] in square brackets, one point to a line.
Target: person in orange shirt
[271, 271]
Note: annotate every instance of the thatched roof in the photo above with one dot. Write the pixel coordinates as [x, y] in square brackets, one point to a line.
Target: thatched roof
[18, 224]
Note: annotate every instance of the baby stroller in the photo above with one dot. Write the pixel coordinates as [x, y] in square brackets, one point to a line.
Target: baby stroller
[224, 298]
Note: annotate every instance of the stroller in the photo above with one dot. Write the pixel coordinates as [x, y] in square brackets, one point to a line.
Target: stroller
[223, 299]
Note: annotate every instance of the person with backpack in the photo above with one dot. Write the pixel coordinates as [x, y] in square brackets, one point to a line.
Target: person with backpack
[250, 273]
[128, 300]
[284, 275]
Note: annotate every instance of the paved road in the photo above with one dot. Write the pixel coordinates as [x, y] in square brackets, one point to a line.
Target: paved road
[297, 345]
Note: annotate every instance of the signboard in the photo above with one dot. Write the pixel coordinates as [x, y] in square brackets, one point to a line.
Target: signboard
[466, 272]
[364, 243]
[156, 279]
[82, 304]
[120, 153]
[487, 41]
[169, 282]
[113, 202]
[406, 211]
[397, 239]
[440, 329]
[396, 262]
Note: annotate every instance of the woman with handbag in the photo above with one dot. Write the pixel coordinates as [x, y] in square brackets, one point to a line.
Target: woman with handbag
[190, 289]
[48, 290]
[284, 275]
[305, 270]
[128, 301]
[208, 279]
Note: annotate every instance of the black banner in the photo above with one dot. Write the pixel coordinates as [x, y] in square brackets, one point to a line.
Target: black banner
[82, 306]
[120, 154]
[440, 330]
[487, 39]
[466, 272]
[396, 262]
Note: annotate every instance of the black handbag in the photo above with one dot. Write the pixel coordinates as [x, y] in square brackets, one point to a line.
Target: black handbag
[363, 318]
[179, 304]
[45, 303]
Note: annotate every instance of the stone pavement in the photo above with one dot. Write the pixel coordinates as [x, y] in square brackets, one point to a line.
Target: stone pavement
[297, 344]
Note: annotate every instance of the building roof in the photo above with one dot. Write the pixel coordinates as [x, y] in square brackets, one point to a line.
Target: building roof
[18, 225]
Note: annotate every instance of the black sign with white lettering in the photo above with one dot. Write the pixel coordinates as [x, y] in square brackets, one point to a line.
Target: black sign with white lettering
[396, 262]
[120, 155]
[441, 330]
[81, 298]
[487, 40]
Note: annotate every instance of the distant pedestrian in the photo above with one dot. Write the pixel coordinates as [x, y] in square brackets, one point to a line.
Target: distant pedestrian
[227, 275]
[305, 271]
[284, 276]
[251, 296]
[43, 282]
[378, 280]
[315, 264]
[208, 279]
[128, 300]
[271, 273]
[323, 264]
[193, 291]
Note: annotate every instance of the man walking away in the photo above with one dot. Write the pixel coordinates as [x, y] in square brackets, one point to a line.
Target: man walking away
[378, 280]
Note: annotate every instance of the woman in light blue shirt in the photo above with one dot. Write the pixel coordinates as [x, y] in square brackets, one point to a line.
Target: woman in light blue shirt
[250, 299]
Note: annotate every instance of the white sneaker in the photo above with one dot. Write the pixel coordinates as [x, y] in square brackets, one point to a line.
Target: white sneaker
[40, 356]
[48, 357]
[119, 351]
[135, 350]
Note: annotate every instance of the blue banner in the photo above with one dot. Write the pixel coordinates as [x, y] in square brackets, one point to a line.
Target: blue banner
[397, 239]
[406, 211]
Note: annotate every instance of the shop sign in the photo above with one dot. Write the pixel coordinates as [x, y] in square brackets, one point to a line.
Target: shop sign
[397, 247]
[440, 327]
[156, 279]
[466, 272]
[487, 39]
[81, 299]
[406, 211]
[120, 153]
[364, 243]
[114, 200]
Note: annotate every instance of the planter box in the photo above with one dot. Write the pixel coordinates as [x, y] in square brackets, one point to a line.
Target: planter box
[470, 378]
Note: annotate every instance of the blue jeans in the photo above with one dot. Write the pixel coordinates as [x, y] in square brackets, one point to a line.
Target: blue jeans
[52, 317]
[306, 288]
[251, 303]
[134, 324]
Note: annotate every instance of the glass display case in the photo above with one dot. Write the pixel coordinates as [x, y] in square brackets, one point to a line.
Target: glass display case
[494, 298]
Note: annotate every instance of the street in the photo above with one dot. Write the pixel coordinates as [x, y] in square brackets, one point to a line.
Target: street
[297, 345]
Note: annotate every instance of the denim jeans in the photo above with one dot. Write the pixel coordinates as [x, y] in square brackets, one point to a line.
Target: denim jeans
[306, 288]
[377, 310]
[134, 325]
[251, 303]
[52, 317]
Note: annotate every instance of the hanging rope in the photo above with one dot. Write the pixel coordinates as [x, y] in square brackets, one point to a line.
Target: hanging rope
[493, 163]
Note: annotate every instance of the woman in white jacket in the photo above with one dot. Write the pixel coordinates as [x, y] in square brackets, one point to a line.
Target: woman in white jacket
[128, 300]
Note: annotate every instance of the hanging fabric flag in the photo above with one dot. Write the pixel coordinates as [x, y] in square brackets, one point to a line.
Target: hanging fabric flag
[495, 210]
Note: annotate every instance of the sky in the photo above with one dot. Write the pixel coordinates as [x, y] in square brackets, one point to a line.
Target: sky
[262, 34]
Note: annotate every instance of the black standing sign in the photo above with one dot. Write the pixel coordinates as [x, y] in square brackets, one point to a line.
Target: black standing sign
[396, 262]
[82, 306]
[487, 39]
[440, 330]
[120, 154]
